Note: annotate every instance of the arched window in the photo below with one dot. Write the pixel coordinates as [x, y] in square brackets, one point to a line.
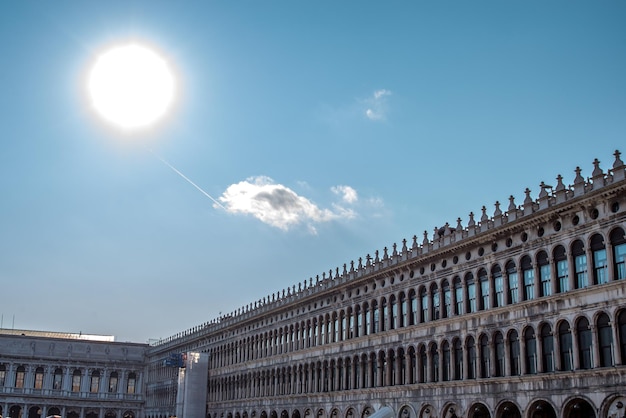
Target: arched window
[514, 353]
[3, 374]
[376, 318]
[580, 264]
[57, 379]
[359, 321]
[337, 327]
[411, 373]
[113, 382]
[483, 279]
[383, 315]
[404, 311]
[528, 275]
[20, 375]
[458, 360]
[565, 346]
[423, 365]
[447, 299]
[445, 373]
[471, 358]
[511, 272]
[498, 286]
[366, 319]
[393, 307]
[618, 242]
[471, 292]
[434, 359]
[94, 384]
[413, 306]
[350, 325]
[560, 261]
[38, 378]
[621, 324]
[458, 294]
[343, 332]
[76, 381]
[485, 357]
[547, 349]
[584, 344]
[130, 384]
[530, 343]
[424, 299]
[600, 262]
[544, 273]
[436, 302]
[500, 358]
[605, 340]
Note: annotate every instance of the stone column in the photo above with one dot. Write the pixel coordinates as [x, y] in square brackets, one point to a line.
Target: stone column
[539, 351]
[615, 347]
[492, 358]
[523, 369]
[595, 346]
[537, 283]
[574, 351]
[506, 297]
[553, 275]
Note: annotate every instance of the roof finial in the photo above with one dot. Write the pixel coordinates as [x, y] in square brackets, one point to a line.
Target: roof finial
[578, 179]
[597, 171]
[559, 183]
[618, 162]
[471, 222]
[512, 206]
[497, 212]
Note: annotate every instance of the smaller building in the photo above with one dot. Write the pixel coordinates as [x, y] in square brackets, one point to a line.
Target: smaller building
[72, 375]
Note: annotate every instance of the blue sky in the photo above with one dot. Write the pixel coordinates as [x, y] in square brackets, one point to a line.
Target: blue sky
[327, 130]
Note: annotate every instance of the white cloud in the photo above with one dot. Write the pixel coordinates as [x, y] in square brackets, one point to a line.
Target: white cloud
[347, 193]
[377, 105]
[278, 205]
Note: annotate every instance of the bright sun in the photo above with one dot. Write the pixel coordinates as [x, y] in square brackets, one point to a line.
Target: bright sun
[131, 86]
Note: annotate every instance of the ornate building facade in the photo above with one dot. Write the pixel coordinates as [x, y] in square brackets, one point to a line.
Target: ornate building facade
[521, 313]
[517, 314]
[70, 375]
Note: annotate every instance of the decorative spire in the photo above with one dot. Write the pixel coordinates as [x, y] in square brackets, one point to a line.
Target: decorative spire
[404, 248]
[414, 241]
[471, 222]
[376, 259]
[484, 217]
[618, 162]
[385, 255]
[527, 200]
[368, 261]
[425, 240]
[578, 179]
[512, 206]
[543, 193]
[597, 171]
[459, 226]
[395, 249]
[559, 183]
[497, 212]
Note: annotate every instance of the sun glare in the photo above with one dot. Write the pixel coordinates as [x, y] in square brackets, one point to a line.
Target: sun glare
[131, 86]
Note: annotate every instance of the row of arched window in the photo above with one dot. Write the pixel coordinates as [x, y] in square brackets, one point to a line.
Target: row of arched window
[547, 348]
[541, 274]
[38, 378]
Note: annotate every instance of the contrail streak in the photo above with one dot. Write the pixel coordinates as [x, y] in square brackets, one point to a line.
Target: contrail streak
[188, 180]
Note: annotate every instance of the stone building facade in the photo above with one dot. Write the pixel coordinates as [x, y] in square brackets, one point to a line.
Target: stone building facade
[517, 314]
[521, 313]
[70, 375]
